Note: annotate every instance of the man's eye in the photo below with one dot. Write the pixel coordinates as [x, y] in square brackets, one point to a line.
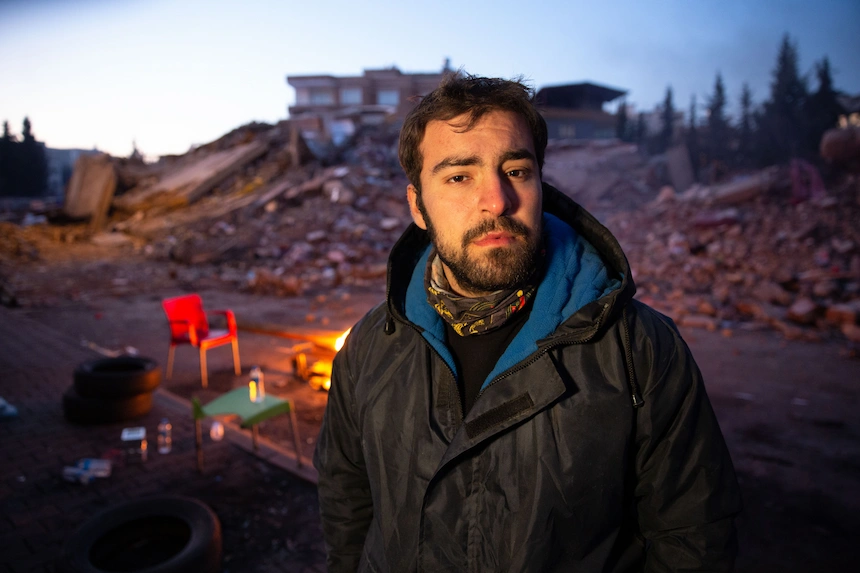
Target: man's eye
[517, 173]
[457, 178]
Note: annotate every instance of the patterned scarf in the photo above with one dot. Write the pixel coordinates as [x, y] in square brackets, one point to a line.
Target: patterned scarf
[473, 315]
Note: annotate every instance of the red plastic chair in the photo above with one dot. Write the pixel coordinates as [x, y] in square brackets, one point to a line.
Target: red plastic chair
[188, 325]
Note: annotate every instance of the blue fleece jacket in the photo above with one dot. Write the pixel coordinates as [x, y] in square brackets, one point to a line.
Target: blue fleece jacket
[575, 276]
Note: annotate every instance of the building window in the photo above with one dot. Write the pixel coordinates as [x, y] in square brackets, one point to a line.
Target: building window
[388, 97]
[322, 96]
[350, 96]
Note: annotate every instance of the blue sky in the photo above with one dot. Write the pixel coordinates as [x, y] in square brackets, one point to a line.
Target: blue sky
[170, 74]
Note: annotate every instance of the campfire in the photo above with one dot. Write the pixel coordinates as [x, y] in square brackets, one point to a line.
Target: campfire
[318, 374]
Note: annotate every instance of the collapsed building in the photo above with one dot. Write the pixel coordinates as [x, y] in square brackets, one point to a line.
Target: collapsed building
[262, 210]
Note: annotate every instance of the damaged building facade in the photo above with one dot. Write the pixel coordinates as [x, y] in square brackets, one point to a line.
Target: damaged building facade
[335, 107]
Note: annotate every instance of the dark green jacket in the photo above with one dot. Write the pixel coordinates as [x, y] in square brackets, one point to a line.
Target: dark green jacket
[597, 450]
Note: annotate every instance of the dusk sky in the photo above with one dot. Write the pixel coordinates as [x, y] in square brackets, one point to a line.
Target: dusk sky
[170, 74]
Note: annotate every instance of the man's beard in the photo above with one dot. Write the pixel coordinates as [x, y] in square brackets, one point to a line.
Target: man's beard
[498, 268]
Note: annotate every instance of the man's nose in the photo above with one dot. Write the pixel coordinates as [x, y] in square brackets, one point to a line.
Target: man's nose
[495, 195]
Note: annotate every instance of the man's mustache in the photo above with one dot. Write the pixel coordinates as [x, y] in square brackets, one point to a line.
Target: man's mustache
[503, 223]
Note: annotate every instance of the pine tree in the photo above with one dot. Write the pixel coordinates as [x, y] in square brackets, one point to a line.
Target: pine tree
[745, 129]
[667, 132]
[33, 164]
[822, 107]
[8, 172]
[718, 131]
[693, 138]
[621, 127]
[641, 131]
[783, 124]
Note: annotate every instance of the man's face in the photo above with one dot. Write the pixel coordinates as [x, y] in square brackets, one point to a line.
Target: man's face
[480, 201]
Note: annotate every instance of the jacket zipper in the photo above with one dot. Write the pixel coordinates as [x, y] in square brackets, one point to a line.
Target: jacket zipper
[536, 356]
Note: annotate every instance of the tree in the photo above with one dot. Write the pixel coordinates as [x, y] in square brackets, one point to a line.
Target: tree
[718, 130]
[641, 131]
[822, 107]
[668, 121]
[745, 128]
[8, 163]
[7, 133]
[31, 168]
[782, 127]
[693, 138]
[622, 129]
[27, 130]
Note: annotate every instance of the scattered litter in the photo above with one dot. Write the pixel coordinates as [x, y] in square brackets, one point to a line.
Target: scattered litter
[87, 469]
[128, 350]
[134, 444]
[746, 396]
[101, 349]
[76, 474]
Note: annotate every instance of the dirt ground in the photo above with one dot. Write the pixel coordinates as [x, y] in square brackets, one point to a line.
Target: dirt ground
[788, 409]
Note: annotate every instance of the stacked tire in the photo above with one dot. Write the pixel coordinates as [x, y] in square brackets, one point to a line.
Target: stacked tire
[108, 390]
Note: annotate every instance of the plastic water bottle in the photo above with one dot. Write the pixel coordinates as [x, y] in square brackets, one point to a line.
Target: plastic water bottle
[255, 387]
[165, 436]
[216, 431]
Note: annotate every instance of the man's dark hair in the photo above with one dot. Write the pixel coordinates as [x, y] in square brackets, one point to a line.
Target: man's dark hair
[463, 93]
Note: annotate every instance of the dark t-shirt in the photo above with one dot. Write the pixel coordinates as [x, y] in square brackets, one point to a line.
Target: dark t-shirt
[476, 355]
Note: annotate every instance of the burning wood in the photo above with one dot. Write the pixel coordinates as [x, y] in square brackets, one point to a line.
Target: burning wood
[318, 375]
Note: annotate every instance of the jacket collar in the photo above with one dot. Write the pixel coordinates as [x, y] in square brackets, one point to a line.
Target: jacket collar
[587, 274]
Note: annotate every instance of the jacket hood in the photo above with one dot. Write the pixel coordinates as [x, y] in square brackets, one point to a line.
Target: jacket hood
[586, 276]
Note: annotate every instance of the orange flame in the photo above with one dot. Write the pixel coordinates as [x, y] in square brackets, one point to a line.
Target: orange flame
[338, 344]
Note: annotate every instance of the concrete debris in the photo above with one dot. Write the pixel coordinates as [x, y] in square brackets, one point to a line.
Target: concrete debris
[851, 332]
[91, 189]
[680, 167]
[255, 211]
[742, 189]
[187, 183]
[768, 261]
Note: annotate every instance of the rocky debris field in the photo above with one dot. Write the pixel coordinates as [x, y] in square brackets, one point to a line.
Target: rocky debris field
[756, 252]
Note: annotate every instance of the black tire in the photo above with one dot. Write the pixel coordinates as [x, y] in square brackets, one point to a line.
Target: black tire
[81, 410]
[118, 377]
[161, 534]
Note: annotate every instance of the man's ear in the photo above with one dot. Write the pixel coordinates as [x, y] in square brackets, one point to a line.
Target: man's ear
[412, 197]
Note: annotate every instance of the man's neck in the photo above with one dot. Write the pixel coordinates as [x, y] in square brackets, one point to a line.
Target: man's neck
[455, 288]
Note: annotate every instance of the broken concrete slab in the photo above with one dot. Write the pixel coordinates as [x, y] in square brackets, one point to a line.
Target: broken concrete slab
[680, 168]
[91, 189]
[194, 178]
[742, 189]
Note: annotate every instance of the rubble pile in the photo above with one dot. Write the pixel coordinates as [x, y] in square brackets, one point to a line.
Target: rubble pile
[750, 254]
[603, 175]
[282, 223]
[277, 221]
[257, 211]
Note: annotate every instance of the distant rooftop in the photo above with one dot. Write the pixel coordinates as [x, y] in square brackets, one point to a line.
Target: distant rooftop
[584, 95]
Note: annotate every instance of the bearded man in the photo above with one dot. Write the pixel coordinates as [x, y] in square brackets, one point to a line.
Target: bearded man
[511, 407]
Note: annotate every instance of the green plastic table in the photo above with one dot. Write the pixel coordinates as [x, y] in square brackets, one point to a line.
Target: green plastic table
[238, 402]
